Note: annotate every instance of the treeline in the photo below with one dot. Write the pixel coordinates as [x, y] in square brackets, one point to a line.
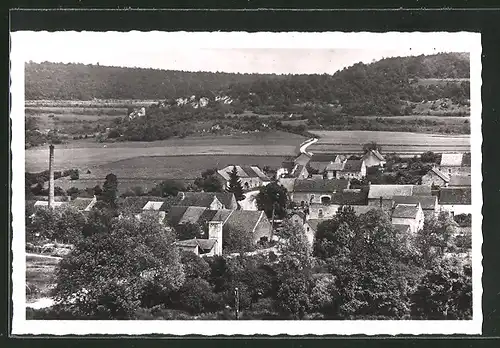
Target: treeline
[84, 82]
[379, 88]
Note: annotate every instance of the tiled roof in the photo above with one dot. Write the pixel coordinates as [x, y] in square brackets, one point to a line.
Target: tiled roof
[298, 171]
[389, 191]
[192, 215]
[136, 204]
[421, 190]
[288, 165]
[362, 209]
[455, 195]
[451, 159]
[244, 172]
[324, 157]
[195, 199]
[440, 174]
[352, 166]
[405, 211]
[374, 153]
[349, 198]
[401, 228]
[320, 185]
[427, 202]
[153, 205]
[460, 180]
[260, 173]
[175, 214]
[334, 166]
[244, 220]
[46, 204]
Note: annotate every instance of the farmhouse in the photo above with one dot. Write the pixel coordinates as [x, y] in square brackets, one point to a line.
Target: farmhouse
[435, 177]
[455, 200]
[382, 195]
[250, 176]
[429, 204]
[352, 169]
[455, 163]
[409, 214]
[460, 181]
[373, 158]
[211, 200]
[320, 161]
[316, 190]
[200, 247]
[242, 221]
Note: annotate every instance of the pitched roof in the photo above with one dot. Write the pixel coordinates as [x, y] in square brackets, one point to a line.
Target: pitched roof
[175, 214]
[466, 160]
[244, 220]
[81, 203]
[455, 195]
[408, 211]
[389, 191]
[440, 174]
[427, 202]
[421, 190]
[362, 209]
[460, 180]
[352, 165]
[374, 153]
[320, 185]
[401, 228]
[260, 173]
[192, 215]
[451, 159]
[288, 165]
[205, 244]
[244, 172]
[324, 157]
[168, 202]
[349, 197]
[335, 166]
[135, 204]
[46, 204]
[153, 205]
[195, 199]
[298, 171]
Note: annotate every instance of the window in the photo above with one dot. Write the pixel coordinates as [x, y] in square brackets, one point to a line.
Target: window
[320, 213]
[307, 229]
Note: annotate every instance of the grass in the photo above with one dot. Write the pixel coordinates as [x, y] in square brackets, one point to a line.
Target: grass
[40, 276]
[96, 103]
[403, 142]
[88, 153]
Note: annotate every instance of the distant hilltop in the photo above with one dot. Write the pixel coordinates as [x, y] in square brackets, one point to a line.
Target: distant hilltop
[391, 86]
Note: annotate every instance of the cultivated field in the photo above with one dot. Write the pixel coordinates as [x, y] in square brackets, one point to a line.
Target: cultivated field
[87, 154]
[400, 142]
[40, 276]
[96, 103]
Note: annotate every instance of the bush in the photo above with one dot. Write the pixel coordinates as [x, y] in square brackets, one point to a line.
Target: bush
[196, 296]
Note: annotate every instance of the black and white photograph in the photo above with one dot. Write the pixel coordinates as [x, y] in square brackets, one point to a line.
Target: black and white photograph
[283, 183]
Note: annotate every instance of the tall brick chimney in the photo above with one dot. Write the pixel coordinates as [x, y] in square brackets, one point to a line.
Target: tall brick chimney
[51, 176]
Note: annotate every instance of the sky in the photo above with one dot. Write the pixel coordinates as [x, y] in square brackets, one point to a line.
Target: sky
[215, 52]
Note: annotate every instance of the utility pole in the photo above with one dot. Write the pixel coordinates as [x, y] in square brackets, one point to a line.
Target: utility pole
[237, 303]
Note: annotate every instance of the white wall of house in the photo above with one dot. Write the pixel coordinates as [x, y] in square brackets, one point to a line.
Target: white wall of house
[456, 209]
[323, 211]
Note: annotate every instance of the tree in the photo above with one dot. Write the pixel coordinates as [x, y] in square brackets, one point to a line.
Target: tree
[445, 292]
[235, 184]
[64, 225]
[272, 198]
[372, 145]
[110, 190]
[429, 157]
[188, 230]
[237, 240]
[107, 275]
[168, 188]
[209, 182]
[323, 295]
[194, 266]
[292, 298]
[196, 296]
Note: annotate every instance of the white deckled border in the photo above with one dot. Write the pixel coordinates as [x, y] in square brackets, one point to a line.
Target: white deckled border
[439, 42]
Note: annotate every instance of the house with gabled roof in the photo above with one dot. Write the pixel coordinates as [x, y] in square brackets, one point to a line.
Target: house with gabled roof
[374, 158]
[408, 214]
[352, 169]
[309, 191]
[301, 219]
[460, 181]
[382, 195]
[83, 203]
[250, 176]
[435, 177]
[319, 161]
[455, 163]
[429, 204]
[456, 200]
[211, 200]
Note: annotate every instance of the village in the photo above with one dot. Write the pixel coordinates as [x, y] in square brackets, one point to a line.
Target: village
[317, 186]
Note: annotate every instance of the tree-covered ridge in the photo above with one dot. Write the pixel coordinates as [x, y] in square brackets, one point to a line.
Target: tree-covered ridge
[86, 81]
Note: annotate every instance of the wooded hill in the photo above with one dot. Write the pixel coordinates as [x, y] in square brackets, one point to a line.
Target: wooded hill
[388, 86]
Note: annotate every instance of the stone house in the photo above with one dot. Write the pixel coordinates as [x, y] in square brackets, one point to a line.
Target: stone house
[250, 176]
[352, 169]
[429, 204]
[456, 200]
[319, 161]
[435, 177]
[373, 158]
[309, 191]
[455, 163]
[408, 214]
[382, 195]
[301, 219]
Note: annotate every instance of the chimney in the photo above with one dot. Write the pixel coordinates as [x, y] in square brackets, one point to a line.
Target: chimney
[51, 176]
[215, 232]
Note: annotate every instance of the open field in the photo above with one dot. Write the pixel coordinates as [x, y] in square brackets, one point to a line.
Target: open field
[151, 170]
[40, 276]
[400, 142]
[108, 111]
[87, 154]
[439, 119]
